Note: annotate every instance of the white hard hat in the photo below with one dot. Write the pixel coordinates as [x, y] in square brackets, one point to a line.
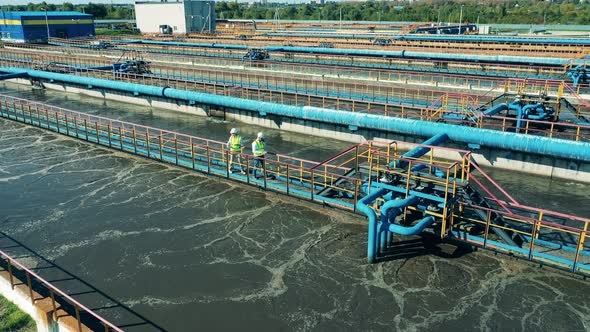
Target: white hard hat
[260, 135]
[233, 131]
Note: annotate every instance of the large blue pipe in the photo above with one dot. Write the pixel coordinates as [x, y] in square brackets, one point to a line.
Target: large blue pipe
[363, 206]
[13, 75]
[492, 138]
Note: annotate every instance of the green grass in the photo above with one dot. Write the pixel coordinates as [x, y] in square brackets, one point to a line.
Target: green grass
[12, 319]
[109, 32]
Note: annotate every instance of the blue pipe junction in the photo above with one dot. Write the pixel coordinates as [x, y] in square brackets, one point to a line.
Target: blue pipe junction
[491, 138]
[380, 234]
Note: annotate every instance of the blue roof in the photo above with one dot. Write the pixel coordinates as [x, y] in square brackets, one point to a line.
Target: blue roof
[42, 13]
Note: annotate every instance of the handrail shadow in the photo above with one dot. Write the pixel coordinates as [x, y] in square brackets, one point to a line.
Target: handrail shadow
[111, 309]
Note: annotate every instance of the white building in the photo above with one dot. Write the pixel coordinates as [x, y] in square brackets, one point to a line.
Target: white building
[180, 16]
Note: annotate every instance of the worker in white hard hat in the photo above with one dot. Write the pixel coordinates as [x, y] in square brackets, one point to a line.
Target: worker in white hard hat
[234, 145]
[258, 151]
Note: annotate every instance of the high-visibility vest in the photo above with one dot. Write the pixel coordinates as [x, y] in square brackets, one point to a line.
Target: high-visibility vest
[235, 143]
[259, 148]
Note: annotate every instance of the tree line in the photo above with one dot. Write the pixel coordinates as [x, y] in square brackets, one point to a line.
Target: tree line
[506, 12]
[99, 11]
[494, 11]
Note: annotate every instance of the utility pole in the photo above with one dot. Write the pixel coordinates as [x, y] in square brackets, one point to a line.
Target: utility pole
[47, 24]
[277, 19]
[460, 20]
[340, 17]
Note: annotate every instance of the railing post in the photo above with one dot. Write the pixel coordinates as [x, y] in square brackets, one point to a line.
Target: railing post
[53, 312]
[57, 122]
[121, 135]
[176, 150]
[78, 317]
[10, 273]
[76, 131]
[356, 193]
[134, 140]
[534, 235]
[487, 231]
[409, 176]
[248, 169]
[161, 147]
[227, 163]
[312, 187]
[580, 247]
[288, 180]
[264, 171]
[147, 142]
[109, 135]
[67, 124]
[29, 284]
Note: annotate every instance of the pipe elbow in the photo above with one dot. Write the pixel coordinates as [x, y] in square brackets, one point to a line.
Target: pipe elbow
[416, 229]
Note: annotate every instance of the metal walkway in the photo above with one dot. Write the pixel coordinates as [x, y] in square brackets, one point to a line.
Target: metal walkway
[464, 202]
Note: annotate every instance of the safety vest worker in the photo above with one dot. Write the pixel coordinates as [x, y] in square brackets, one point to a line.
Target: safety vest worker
[235, 141]
[258, 146]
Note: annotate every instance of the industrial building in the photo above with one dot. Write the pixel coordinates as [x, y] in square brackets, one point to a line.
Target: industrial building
[175, 17]
[35, 27]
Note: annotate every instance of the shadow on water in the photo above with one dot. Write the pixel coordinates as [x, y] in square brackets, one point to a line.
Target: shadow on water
[424, 245]
[75, 287]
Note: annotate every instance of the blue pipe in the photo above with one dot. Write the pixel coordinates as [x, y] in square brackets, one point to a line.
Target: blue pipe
[523, 111]
[183, 44]
[423, 55]
[472, 39]
[539, 109]
[492, 138]
[396, 205]
[363, 206]
[413, 230]
[419, 151]
[136, 89]
[14, 75]
[496, 109]
[113, 67]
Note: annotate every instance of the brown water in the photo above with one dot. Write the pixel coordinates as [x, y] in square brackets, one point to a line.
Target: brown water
[191, 252]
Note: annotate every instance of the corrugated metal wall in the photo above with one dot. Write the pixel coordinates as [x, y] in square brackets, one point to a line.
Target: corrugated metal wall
[32, 26]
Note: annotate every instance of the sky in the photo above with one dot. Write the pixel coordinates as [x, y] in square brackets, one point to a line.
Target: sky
[59, 2]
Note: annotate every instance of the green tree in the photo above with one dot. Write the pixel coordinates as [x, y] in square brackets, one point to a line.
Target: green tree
[67, 7]
[97, 10]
